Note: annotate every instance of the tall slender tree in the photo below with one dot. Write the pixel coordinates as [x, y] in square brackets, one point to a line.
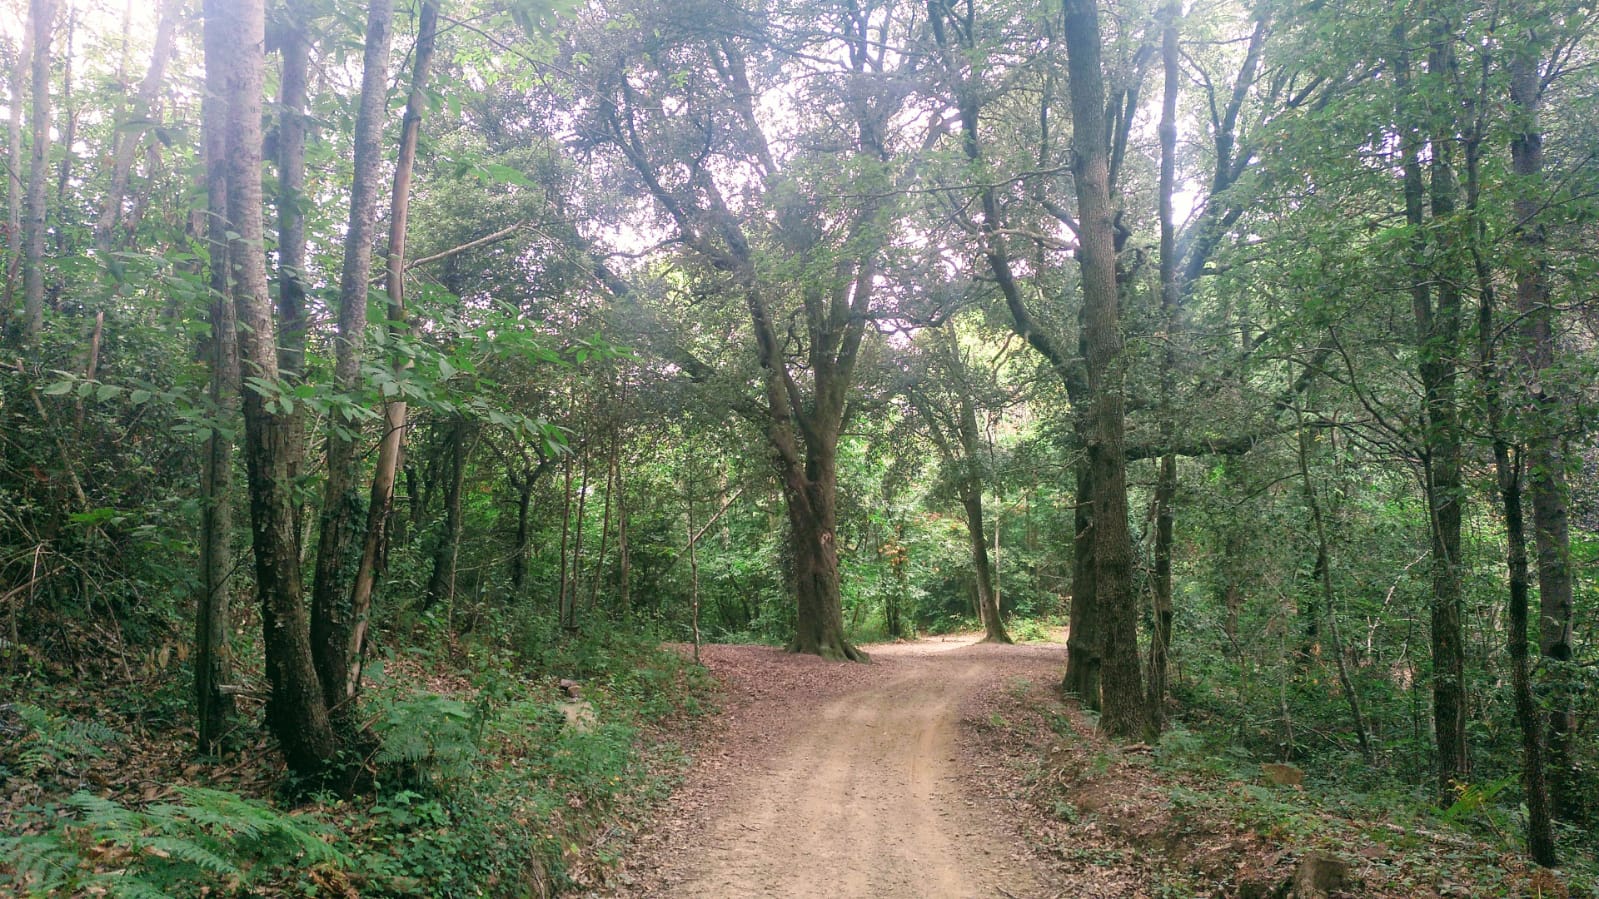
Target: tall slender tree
[1541, 405]
[380, 504]
[41, 27]
[213, 619]
[332, 617]
[296, 709]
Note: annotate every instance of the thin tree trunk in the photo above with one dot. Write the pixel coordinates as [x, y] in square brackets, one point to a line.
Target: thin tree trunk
[1541, 845]
[1123, 713]
[624, 558]
[575, 580]
[898, 557]
[69, 130]
[1170, 297]
[972, 499]
[128, 144]
[1437, 336]
[291, 202]
[380, 504]
[524, 511]
[15, 185]
[524, 484]
[291, 199]
[212, 628]
[694, 567]
[1324, 566]
[1543, 410]
[561, 611]
[998, 563]
[41, 18]
[987, 600]
[337, 552]
[605, 528]
[441, 582]
[295, 710]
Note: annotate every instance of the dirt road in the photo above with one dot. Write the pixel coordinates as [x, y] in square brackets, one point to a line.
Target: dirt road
[851, 791]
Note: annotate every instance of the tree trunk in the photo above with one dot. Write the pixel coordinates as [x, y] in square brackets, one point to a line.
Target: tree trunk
[1508, 481]
[605, 527]
[563, 587]
[296, 711]
[291, 199]
[1446, 497]
[1324, 566]
[212, 622]
[291, 202]
[693, 566]
[15, 186]
[987, 602]
[1541, 844]
[1437, 336]
[441, 582]
[1082, 638]
[1160, 632]
[624, 558]
[1170, 296]
[41, 18]
[575, 580]
[524, 484]
[898, 558]
[1543, 410]
[337, 553]
[127, 144]
[972, 500]
[1123, 713]
[812, 522]
[69, 133]
[380, 504]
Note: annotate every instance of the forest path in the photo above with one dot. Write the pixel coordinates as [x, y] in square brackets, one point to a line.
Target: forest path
[843, 781]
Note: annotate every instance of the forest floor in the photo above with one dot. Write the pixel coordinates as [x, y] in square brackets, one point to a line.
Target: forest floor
[951, 768]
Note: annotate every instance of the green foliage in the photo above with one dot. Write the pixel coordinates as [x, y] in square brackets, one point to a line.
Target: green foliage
[426, 738]
[44, 743]
[206, 842]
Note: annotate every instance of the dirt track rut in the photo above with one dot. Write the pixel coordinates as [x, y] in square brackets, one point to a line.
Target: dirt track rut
[858, 797]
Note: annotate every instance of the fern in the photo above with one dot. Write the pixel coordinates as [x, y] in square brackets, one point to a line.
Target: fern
[51, 742]
[428, 737]
[207, 842]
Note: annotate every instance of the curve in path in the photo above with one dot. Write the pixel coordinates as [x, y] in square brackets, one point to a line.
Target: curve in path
[862, 800]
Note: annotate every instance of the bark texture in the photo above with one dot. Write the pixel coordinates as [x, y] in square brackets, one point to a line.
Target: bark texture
[212, 665]
[380, 504]
[41, 21]
[332, 619]
[296, 712]
[1543, 409]
[1123, 711]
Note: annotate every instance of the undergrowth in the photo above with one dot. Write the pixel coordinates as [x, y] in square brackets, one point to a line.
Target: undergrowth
[1198, 809]
[482, 786]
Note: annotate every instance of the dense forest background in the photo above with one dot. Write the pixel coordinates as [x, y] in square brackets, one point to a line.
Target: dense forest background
[1254, 339]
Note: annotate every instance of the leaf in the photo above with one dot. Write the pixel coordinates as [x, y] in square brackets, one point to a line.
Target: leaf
[504, 174]
[57, 388]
